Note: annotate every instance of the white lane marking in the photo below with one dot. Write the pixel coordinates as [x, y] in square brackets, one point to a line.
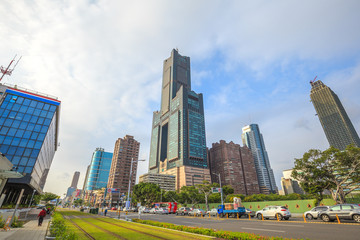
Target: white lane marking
[287, 225]
[259, 229]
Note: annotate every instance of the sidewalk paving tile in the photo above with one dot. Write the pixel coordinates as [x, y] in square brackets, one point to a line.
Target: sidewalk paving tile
[30, 230]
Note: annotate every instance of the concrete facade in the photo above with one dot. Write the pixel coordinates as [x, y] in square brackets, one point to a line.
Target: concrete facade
[75, 180]
[236, 167]
[125, 150]
[165, 182]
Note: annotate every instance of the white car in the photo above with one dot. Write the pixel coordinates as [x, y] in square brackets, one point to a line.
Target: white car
[153, 210]
[161, 211]
[277, 212]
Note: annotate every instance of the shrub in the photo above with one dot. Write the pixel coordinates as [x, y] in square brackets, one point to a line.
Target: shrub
[59, 230]
[209, 232]
[16, 223]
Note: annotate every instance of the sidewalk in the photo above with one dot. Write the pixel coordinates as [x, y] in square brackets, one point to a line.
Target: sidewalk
[30, 230]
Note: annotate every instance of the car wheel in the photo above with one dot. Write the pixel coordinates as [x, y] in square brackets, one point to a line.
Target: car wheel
[176, 214]
[286, 218]
[278, 216]
[259, 216]
[325, 218]
[309, 216]
[356, 218]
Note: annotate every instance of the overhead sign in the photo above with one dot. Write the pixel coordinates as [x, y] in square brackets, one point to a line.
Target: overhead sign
[216, 190]
[113, 190]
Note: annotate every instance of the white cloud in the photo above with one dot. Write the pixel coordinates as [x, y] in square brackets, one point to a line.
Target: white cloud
[103, 59]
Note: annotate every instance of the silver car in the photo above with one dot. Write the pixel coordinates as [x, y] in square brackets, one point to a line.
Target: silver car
[277, 212]
[315, 212]
[342, 211]
[197, 212]
[212, 212]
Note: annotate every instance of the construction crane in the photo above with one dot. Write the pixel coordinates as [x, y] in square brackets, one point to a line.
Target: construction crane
[311, 82]
[8, 71]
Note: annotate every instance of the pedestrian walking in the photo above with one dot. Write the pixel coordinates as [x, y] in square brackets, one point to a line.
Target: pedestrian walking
[41, 216]
[105, 212]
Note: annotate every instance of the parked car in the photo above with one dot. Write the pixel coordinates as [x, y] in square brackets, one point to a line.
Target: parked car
[212, 212]
[161, 211]
[145, 210]
[315, 212]
[280, 212]
[113, 208]
[248, 212]
[183, 211]
[197, 212]
[343, 211]
[153, 210]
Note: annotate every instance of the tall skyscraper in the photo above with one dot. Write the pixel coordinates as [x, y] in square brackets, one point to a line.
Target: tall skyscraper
[236, 167]
[337, 126]
[99, 170]
[178, 143]
[126, 149]
[75, 180]
[253, 139]
[29, 123]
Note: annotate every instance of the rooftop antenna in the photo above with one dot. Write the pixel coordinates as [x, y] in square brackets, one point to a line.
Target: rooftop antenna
[311, 82]
[9, 71]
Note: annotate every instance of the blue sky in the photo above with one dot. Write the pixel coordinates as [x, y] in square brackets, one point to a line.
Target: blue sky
[252, 60]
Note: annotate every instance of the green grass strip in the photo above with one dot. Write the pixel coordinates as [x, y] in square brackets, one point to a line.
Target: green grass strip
[93, 231]
[79, 234]
[211, 232]
[155, 231]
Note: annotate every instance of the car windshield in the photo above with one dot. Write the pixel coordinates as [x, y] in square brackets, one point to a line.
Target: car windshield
[356, 206]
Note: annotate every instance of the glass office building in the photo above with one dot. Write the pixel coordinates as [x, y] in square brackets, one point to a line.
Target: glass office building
[253, 139]
[178, 142]
[99, 170]
[337, 125]
[28, 137]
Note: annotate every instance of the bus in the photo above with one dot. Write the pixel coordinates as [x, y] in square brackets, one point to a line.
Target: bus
[170, 206]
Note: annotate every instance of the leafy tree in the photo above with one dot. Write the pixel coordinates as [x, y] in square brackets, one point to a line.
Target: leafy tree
[146, 193]
[78, 202]
[333, 170]
[206, 190]
[48, 196]
[170, 196]
[190, 194]
[227, 189]
[214, 198]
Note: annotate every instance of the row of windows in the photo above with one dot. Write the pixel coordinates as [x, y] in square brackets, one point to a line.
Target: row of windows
[18, 151]
[36, 132]
[25, 116]
[22, 142]
[20, 101]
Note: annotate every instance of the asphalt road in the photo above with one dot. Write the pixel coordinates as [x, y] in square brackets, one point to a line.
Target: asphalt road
[293, 228]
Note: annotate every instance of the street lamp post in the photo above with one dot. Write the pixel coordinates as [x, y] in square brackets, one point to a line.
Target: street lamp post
[128, 203]
[30, 202]
[219, 176]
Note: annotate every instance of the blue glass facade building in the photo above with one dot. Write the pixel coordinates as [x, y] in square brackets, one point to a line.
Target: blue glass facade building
[28, 136]
[99, 170]
[178, 142]
[253, 139]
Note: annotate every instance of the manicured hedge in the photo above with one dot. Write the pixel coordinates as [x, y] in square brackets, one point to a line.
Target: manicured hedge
[210, 232]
